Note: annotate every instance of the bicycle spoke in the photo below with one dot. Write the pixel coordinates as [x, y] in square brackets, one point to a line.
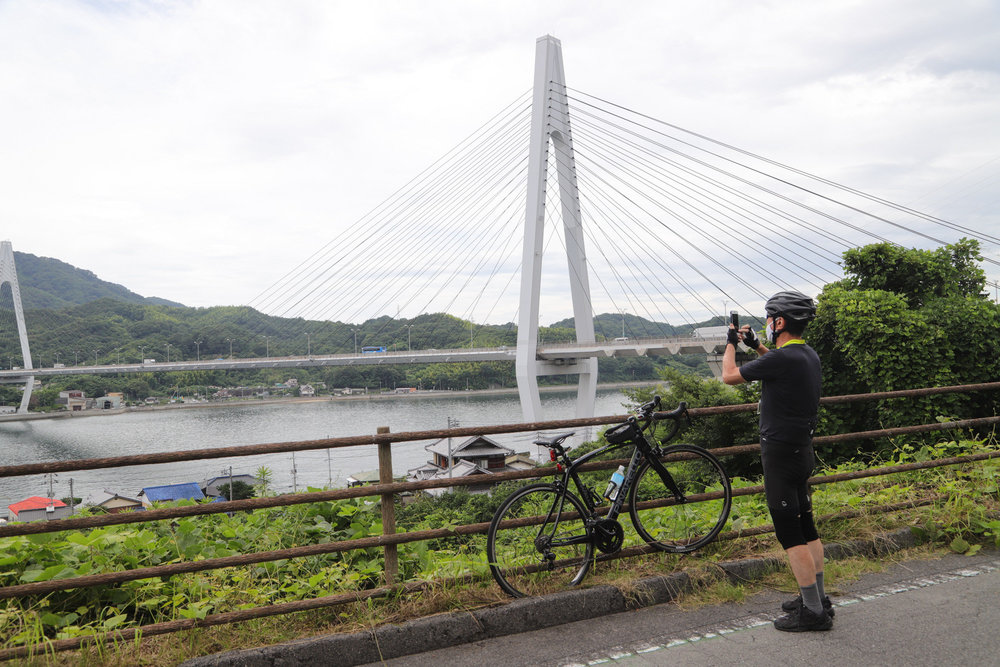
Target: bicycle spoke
[523, 546]
[679, 527]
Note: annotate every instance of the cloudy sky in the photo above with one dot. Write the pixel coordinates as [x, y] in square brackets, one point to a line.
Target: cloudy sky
[199, 150]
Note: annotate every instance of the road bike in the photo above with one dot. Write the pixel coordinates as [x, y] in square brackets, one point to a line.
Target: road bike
[543, 536]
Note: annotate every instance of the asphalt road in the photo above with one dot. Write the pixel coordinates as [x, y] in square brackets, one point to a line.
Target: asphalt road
[932, 612]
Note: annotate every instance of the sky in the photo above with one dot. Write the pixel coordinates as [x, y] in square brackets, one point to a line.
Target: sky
[197, 151]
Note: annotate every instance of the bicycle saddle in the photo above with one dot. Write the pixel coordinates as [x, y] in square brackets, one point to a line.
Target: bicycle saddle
[553, 441]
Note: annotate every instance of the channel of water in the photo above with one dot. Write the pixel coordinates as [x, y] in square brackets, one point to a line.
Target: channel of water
[243, 424]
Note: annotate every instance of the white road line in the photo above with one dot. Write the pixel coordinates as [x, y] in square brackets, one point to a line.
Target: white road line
[748, 622]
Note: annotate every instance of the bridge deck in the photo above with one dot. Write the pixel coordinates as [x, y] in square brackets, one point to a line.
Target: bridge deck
[550, 352]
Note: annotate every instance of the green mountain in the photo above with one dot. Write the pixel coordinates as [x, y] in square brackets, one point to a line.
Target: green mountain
[74, 318]
[50, 283]
[615, 325]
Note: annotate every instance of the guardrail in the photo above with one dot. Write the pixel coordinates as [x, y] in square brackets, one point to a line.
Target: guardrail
[387, 490]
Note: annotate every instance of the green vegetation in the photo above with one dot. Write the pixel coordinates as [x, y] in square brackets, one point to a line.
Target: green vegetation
[964, 520]
[50, 283]
[904, 319]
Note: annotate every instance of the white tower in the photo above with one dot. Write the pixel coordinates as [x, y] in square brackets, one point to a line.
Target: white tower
[8, 274]
[550, 123]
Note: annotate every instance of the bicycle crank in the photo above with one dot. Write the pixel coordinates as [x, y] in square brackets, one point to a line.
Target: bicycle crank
[608, 535]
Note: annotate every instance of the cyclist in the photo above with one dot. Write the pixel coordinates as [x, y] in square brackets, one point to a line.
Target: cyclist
[790, 375]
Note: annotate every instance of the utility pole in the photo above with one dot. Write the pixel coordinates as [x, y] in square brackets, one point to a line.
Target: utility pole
[72, 500]
[295, 484]
[452, 423]
[329, 470]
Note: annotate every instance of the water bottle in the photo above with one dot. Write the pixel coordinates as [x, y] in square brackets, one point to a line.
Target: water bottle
[615, 484]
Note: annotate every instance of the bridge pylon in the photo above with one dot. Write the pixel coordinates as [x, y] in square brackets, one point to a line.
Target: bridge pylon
[8, 274]
[550, 126]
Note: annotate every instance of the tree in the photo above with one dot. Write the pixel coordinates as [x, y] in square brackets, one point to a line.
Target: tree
[904, 319]
[240, 491]
[265, 475]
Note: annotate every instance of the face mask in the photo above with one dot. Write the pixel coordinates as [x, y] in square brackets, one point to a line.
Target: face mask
[769, 332]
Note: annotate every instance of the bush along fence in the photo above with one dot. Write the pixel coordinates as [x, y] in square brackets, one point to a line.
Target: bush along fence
[73, 580]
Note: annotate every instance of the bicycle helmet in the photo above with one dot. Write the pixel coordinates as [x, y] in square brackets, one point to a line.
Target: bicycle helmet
[793, 305]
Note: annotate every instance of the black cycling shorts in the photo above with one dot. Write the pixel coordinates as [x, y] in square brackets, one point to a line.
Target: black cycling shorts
[786, 469]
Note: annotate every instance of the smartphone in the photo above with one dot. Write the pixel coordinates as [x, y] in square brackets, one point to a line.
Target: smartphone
[734, 317]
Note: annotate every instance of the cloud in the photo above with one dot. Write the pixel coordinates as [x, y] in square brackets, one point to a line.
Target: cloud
[199, 150]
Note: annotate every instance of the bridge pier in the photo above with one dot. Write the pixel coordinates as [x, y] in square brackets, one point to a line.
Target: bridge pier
[8, 274]
[550, 124]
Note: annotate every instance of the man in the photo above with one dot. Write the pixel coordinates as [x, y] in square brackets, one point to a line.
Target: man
[791, 377]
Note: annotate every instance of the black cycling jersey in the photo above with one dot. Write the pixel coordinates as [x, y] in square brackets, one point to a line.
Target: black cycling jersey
[791, 378]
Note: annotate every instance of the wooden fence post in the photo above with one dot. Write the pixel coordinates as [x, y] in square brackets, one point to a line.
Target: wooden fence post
[388, 508]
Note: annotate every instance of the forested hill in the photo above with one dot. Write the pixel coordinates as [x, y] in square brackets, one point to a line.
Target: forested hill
[614, 325]
[50, 283]
[75, 317]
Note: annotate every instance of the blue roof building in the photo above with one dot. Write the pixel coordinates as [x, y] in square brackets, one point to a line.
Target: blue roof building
[169, 492]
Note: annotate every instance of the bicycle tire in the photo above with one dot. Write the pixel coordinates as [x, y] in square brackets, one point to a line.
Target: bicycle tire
[515, 559]
[680, 528]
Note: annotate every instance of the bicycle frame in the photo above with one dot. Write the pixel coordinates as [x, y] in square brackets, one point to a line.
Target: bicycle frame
[643, 449]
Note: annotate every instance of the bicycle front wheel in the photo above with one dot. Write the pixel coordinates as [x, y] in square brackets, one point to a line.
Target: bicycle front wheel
[681, 527]
[538, 541]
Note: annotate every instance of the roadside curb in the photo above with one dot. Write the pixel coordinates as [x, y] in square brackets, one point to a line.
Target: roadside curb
[452, 629]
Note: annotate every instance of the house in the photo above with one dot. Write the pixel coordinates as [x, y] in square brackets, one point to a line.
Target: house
[477, 455]
[210, 487]
[362, 478]
[307, 390]
[74, 400]
[38, 508]
[520, 461]
[113, 503]
[170, 492]
[112, 401]
[478, 449]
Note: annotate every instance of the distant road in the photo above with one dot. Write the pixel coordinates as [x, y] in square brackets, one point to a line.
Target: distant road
[551, 352]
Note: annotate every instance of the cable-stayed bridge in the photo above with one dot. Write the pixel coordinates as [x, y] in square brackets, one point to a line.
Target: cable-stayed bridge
[534, 215]
[555, 352]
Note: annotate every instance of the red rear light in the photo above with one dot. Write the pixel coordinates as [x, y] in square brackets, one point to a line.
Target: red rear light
[552, 455]
[559, 467]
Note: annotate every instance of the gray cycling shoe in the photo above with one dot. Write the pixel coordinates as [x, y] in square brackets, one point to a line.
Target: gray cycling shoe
[792, 605]
[804, 620]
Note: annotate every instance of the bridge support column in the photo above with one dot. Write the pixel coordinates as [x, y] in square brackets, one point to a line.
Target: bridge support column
[550, 124]
[8, 274]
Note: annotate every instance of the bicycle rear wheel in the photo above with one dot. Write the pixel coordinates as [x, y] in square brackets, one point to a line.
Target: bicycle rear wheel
[526, 541]
[681, 527]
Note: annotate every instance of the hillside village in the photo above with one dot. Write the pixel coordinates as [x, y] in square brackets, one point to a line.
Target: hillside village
[448, 459]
